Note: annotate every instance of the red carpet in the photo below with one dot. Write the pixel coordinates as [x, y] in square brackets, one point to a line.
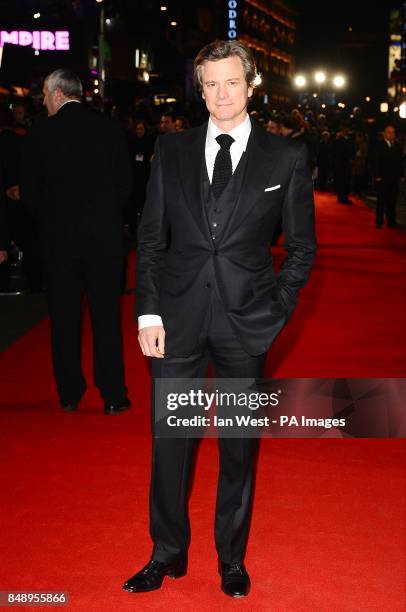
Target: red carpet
[328, 530]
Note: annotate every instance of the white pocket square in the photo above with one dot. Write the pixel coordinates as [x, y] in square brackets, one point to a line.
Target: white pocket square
[272, 188]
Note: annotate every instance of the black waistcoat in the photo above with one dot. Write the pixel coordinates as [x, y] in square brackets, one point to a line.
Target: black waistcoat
[219, 212]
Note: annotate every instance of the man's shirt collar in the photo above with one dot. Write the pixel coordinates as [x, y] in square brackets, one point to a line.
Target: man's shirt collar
[67, 102]
[240, 133]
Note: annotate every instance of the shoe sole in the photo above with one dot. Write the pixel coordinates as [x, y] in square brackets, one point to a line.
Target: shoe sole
[235, 596]
[116, 412]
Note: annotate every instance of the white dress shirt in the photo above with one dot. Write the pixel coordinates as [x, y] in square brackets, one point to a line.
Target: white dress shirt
[240, 134]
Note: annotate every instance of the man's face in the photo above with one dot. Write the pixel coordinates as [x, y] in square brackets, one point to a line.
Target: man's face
[167, 125]
[19, 114]
[272, 127]
[140, 130]
[225, 91]
[285, 131]
[179, 125]
[52, 101]
[389, 133]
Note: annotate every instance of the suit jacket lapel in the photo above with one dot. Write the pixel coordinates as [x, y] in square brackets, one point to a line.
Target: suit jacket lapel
[190, 168]
[260, 163]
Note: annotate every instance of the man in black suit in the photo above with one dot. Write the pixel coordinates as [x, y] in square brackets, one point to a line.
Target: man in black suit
[77, 177]
[343, 153]
[388, 170]
[206, 289]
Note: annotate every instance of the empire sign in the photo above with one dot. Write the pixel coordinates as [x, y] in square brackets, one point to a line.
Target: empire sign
[41, 40]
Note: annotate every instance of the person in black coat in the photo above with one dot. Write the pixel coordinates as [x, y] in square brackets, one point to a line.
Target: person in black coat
[343, 154]
[324, 160]
[141, 150]
[77, 178]
[388, 170]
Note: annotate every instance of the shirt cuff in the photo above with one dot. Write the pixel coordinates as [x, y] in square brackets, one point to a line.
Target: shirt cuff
[149, 320]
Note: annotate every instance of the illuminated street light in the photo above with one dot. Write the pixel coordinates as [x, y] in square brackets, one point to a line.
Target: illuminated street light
[145, 76]
[323, 106]
[384, 107]
[164, 8]
[314, 95]
[174, 23]
[96, 82]
[402, 110]
[367, 99]
[258, 80]
[300, 80]
[339, 81]
[96, 91]
[341, 104]
[99, 1]
[320, 77]
[37, 15]
[396, 109]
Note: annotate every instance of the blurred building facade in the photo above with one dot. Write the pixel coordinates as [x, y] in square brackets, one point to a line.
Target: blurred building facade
[149, 45]
[268, 28]
[165, 37]
[397, 55]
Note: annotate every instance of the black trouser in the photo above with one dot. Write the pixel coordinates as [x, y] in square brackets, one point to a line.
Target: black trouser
[323, 177]
[343, 182]
[387, 194]
[172, 457]
[67, 281]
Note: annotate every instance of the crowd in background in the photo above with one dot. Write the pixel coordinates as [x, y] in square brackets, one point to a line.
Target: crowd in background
[344, 157]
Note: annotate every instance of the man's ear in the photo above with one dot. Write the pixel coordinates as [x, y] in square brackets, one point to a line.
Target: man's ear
[250, 91]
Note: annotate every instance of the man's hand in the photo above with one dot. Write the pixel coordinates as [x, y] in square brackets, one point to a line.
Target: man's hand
[3, 256]
[152, 341]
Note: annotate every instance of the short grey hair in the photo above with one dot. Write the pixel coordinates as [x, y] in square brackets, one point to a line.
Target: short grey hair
[221, 49]
[65, 80]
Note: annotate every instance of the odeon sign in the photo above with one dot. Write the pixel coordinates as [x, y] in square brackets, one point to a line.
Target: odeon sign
[232, 19]
[41, 40]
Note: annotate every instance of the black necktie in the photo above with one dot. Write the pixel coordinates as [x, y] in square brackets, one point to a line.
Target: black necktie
[223, 168]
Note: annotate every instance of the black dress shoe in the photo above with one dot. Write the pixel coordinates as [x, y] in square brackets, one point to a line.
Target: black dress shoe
[151, 576]
[69, 407]
[235, 581]
[117, 408]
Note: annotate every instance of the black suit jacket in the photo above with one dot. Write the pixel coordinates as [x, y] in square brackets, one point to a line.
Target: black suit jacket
[76, 179]
[388, 162]
[176, 255]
